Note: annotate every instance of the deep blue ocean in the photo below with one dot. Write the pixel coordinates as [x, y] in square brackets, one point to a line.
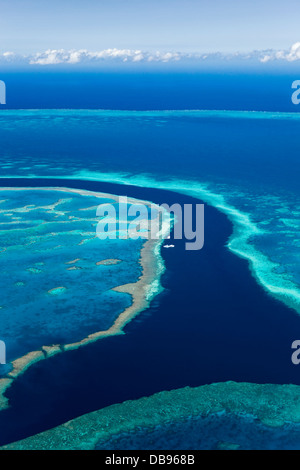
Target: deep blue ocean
[229, 311]
[230, 89]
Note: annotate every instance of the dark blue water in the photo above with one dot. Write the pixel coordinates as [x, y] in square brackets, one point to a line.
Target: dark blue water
[227, 89]
[212, 323]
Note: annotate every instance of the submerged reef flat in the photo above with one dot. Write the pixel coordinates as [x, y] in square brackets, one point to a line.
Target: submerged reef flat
[62, 286]
[222, 416]
[108, 262]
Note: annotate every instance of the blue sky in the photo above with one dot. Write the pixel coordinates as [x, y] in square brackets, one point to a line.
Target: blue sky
[185, 25]
[47, 32]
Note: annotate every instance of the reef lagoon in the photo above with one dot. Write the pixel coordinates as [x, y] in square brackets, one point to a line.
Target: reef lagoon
[62, 286]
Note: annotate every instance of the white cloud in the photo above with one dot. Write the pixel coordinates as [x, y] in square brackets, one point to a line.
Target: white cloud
[52, 57]
[83, 56]
[61, 56]
[294, 53]
[7, 56]
[290, 55]
[265, 58]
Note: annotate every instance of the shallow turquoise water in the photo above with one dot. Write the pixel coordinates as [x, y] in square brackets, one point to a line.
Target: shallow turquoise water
[48, 250]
